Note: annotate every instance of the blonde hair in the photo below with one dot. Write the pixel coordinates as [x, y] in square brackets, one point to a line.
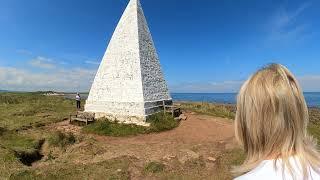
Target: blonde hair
[271, 121]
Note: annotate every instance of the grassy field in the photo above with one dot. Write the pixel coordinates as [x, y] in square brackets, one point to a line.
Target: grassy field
[218, 110]
[26, 136]
[27, 110]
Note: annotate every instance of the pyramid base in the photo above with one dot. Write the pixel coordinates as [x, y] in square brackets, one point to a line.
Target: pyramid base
[138, 120]
[126, 112]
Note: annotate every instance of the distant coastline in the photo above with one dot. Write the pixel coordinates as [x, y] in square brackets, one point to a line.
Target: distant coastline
[312, 98]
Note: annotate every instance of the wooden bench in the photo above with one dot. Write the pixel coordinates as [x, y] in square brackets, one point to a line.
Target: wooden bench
[83, 117]
[174, 110]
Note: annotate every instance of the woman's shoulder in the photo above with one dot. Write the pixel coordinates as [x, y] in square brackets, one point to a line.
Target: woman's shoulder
[266, 170]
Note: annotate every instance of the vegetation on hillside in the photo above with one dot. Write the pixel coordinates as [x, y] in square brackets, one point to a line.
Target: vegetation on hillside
[24, 121]
[218, 110]
[26, 110]
[21, 112]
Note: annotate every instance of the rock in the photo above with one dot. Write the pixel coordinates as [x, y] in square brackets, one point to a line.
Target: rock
[187, 155]
[183, 117]
[169, 157]
[119, 170]
[211, 159]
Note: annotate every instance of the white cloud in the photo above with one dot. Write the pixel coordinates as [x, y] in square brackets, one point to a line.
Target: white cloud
[284, 27]
[76, 79]
[92, 62]
[43, 63]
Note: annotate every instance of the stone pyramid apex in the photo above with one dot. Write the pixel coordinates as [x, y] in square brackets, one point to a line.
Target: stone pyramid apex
[129, 84]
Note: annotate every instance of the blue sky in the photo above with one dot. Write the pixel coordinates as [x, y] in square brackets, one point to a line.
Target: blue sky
[204, 45]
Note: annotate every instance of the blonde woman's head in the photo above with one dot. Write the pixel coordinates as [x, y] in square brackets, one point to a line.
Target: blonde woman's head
[271, 120]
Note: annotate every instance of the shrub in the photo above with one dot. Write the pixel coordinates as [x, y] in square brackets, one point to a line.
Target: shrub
[154, 167]
[61, 139]
[158, 122]
[2, 130]
[106, 127]
[161, 122]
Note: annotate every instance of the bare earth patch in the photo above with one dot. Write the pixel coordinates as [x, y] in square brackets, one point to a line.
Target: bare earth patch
[197, 144]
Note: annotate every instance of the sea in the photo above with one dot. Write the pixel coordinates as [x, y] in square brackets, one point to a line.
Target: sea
[312, 98]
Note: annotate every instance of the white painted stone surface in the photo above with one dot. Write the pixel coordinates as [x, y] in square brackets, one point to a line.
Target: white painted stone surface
[129, 84]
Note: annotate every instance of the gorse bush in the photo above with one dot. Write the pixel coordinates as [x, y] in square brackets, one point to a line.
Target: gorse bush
[60, 139]
[158, 122]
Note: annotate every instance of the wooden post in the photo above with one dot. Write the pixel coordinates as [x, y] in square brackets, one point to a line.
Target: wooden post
[164, 107]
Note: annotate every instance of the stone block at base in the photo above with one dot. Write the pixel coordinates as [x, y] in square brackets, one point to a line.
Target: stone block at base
[126, 112]
[137, 120]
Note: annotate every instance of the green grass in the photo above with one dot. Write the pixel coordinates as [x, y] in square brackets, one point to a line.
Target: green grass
[2, 130]
[18, 149]
[158, 123]
[154, 167]
[27, 110]
[18, 142]
[8, 163]
[60, 139]
[117, 169]
[314, 124]
[21, 111]
[218, 110]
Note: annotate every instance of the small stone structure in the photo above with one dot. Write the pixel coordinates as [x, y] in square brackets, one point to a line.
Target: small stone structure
[129, 84]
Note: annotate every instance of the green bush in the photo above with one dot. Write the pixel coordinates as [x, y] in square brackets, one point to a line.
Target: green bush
[60, 139]
[2, 130]
[161, 122]
[105, 127]
[154, 167]
[158, 122]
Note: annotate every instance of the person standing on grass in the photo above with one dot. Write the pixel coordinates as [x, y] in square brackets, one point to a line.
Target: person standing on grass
[78, 99]
[271, 125]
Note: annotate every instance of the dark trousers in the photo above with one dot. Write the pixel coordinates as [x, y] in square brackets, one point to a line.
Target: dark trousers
[78, 104]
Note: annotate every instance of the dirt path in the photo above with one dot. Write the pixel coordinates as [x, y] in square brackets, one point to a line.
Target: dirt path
[197, 129]
[197, 144]
[202, 134]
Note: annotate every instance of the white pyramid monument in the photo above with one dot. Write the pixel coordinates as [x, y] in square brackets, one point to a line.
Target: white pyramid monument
[129, 84]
